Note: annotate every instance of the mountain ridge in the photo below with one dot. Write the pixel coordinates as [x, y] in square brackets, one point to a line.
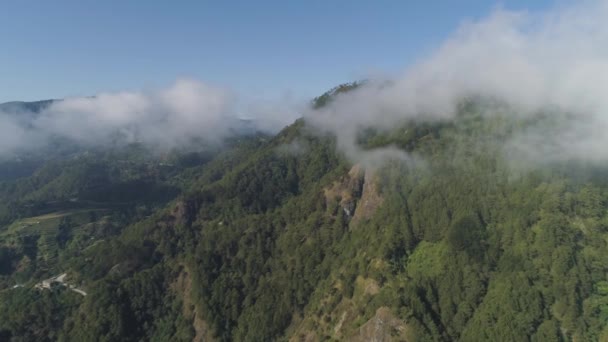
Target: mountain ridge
[26, 106]
[284, 238]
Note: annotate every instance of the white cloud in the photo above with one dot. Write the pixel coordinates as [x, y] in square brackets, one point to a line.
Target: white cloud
[555, 60]
[188, 110]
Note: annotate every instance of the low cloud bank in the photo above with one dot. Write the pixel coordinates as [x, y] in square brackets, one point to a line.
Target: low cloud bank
[555, 61]
[187, 111]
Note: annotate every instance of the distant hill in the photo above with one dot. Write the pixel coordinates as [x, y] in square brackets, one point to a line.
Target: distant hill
[21, 107]
[281, 238]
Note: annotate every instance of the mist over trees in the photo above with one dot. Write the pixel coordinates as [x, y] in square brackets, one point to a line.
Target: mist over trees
[261, 240]
[464, 200]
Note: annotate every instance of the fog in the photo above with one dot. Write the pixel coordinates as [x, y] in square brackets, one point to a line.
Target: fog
[555, 62]
[188, 111]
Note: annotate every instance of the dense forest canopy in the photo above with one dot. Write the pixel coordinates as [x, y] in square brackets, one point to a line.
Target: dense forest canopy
[285, 237]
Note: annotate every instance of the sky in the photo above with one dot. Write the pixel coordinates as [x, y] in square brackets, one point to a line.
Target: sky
[172, 76]
[259, 49]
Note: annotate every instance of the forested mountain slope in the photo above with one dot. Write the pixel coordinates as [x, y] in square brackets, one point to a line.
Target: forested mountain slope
[283, 238]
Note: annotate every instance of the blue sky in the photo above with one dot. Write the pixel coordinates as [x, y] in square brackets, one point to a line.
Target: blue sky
[266, 49]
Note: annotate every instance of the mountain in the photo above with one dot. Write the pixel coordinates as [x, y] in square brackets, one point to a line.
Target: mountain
[25, 107]
[284, 238]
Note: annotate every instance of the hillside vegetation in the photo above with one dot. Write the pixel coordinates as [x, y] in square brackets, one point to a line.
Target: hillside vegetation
[283, 238]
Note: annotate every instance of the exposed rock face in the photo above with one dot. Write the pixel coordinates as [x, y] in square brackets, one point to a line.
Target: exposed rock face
[183, 287]
[184, 212]
[357, 194]
[347, 191]
[383, 327]
[370, 199]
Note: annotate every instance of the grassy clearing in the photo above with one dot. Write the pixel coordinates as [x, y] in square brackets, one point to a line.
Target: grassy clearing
[43, 223]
